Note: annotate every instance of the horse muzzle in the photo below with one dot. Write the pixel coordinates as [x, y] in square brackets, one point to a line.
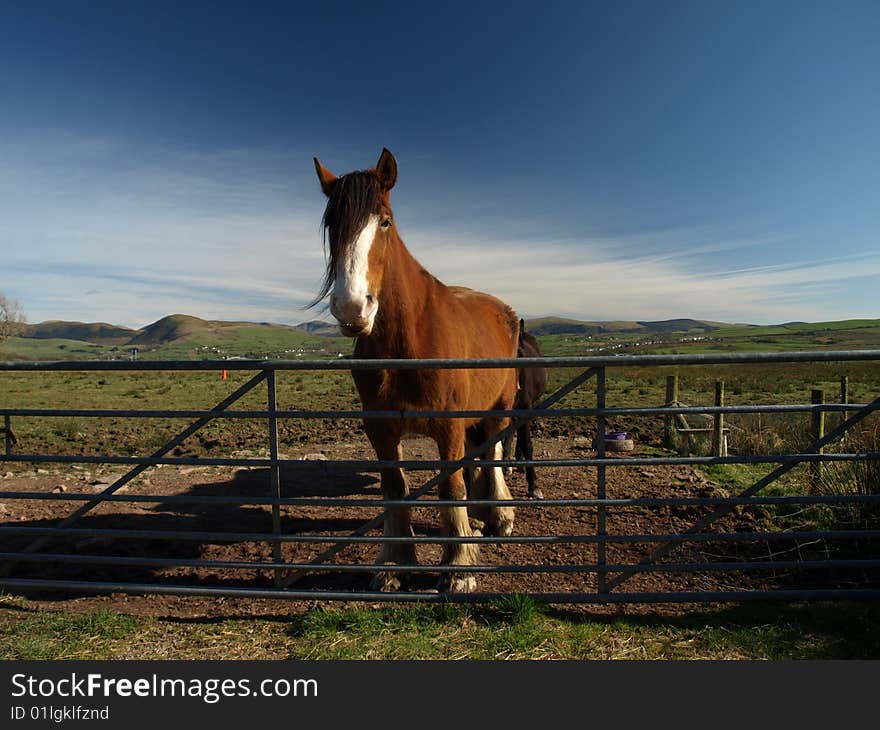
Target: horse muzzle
[355, 317]
[353, 330]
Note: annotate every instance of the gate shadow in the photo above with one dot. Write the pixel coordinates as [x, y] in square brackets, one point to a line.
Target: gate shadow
[299, 480]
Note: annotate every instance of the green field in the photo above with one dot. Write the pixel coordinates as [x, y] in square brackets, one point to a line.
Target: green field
[844, 335]
[196, 339]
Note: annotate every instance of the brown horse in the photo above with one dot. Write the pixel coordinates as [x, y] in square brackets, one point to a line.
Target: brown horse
[382, 296]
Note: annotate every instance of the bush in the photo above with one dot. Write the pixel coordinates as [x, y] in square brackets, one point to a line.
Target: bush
[859, 478]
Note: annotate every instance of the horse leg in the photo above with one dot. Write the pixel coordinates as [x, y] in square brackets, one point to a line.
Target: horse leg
[455, 523]
[500, 519]
[508, 449]
[397, 521]
[520, 452]
[525, 433]
[475, 481]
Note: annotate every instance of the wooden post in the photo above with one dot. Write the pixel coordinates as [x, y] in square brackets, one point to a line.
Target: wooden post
[718, 429]
[817, 431]
[844, 398]
[8, 437]
[669, 421]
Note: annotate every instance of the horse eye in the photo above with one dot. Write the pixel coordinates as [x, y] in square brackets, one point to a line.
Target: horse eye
[386, 223]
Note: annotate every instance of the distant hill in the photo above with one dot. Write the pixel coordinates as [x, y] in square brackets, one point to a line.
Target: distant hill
[319, 328]
[682, 325]
[561, 326]
[177, 336]
[99, 333]
[169, 329]
[180, 328]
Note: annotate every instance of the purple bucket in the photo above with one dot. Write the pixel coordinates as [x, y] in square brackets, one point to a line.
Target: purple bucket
[616, 435]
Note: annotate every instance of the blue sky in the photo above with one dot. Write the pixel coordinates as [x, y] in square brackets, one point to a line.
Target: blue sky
[597, 160]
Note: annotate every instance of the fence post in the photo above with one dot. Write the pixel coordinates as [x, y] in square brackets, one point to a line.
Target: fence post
[844, 398]
[7, 432]
[272, 408]
[817, 431]
[601, 574]
[669, 421]
[718, 426]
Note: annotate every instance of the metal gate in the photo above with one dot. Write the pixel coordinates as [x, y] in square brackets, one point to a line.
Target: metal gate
[593, 568]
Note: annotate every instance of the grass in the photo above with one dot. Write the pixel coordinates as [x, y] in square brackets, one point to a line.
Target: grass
[50, 635]
[531, 631]
[515, 628]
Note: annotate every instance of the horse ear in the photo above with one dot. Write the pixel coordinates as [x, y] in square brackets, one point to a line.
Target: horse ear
[326, 178]
[386, 169]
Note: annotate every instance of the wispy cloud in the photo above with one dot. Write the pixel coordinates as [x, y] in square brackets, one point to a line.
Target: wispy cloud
[589, 278]
[109, 230]
[148, 231]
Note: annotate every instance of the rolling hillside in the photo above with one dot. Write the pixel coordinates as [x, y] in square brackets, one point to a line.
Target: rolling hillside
[176, 336]
[99, 333]
[183, 337]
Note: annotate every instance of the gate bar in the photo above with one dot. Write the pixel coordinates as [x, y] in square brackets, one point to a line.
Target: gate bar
[332, 502]
[832, 594]
[431, 464]
[228, 537]
[153, 562]
[360, 415]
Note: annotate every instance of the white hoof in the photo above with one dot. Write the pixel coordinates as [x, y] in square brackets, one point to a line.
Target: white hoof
[501, 522]
[385, 582]
[456, 583]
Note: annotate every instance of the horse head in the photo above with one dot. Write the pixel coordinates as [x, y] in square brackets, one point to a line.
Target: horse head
[358, 227]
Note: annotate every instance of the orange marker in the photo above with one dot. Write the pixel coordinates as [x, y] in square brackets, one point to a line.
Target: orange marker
[223, 376]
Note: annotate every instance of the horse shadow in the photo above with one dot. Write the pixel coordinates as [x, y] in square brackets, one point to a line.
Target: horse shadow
[297, 479]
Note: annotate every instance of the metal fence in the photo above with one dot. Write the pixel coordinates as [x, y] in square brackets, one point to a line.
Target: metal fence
[595, 564]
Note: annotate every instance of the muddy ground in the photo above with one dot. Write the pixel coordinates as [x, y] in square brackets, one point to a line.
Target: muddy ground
[312, 477]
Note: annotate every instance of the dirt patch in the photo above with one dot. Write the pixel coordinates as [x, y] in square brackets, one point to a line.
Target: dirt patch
[318, 479]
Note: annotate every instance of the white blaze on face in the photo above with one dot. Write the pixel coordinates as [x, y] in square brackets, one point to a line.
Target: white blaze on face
[349, 303]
